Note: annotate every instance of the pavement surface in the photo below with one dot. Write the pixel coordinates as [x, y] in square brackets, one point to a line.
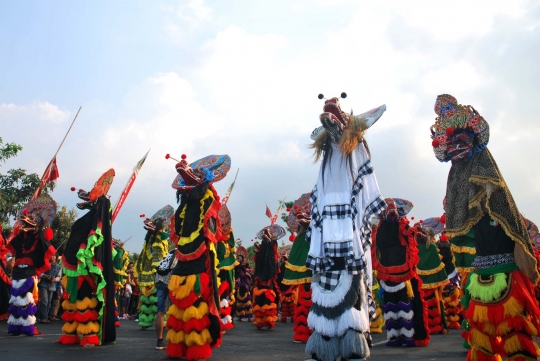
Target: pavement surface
[242, 343]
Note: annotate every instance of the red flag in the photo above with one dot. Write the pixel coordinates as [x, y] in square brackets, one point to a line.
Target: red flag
[268, 212]
[52, 175]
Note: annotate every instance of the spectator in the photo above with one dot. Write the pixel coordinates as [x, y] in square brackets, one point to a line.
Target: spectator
[163, 276]
[128, 290]
[47, 287]
[133, 305]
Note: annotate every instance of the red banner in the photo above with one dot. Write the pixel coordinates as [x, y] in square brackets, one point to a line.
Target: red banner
[123, 196]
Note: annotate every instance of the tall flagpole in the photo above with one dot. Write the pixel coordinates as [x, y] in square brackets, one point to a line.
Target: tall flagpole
[48, 169]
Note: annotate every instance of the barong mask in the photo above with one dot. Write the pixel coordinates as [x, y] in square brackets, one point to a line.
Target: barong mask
[193, 179]
[459, 130]
[396, 208]
[299, 215]
[37, 214]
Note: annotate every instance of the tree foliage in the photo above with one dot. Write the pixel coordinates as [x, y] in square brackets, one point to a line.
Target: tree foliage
[16, 186]
[61, 225]
[133, 257]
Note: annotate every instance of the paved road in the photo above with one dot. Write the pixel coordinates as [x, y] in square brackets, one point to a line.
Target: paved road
[243, 343]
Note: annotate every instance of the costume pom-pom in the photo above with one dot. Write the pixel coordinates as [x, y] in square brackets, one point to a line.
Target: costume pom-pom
[320, 96]
[444, 238]
[449, 131]
[167, 156]
[443, 219]
[73, 189]
[435, 143]
[184, 156]
[292, 237]
[412, 218]
[142, 215]
[48, 235]
[288, 209]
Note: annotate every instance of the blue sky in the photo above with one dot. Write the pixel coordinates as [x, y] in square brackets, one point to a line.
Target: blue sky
[242, 77]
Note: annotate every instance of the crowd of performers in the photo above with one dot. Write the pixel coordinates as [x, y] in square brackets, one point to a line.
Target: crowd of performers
[357, 264]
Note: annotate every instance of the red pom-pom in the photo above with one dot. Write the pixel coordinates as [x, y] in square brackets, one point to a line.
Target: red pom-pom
[184, 156]
[142, 215]
[412, 218]
[48, 235]
[421, 221]
[288, 209]
[449, 131]
[73, 189]
[292, 237]
[444, 238]
[435, 143]
[443, 219]
[167, 156]
[296, 206]
[25, 212]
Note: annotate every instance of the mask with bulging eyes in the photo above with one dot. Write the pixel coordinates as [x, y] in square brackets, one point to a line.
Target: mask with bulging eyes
[391, 212]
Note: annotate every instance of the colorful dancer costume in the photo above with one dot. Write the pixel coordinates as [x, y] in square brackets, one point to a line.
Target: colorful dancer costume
[451, 291]
[499, 298]
[296, 272]
[120, 265]
[395, 257]
[5, 281]
[377, 323]
[194, 324]
[434, 278]
[227, 261]
[32, 250]
[242, 273]
[287, 293]
[155, 248]
[265, 287]
[345, 197]
[88, 280]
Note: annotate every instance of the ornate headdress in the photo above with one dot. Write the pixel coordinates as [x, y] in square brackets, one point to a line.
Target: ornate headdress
[299, 213]
[210, 169]
[399, 206]
[335, 121]
[274, 232]
[459, 130]
[225, 219]
[433, 223]
[38, 213]
[101, 188]
[242, 255]
[162, 216]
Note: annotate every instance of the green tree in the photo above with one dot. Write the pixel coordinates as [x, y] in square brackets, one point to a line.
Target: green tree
[133, 257]
[251, 252]
[61, 226]
[16, 186]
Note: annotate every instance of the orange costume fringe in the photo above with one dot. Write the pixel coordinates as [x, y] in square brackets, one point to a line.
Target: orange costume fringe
[505, 326]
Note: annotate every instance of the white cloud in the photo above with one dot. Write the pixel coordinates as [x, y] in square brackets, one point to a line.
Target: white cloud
[37, 110]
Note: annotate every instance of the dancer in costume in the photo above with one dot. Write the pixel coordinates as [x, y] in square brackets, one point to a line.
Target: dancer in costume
[227, 261]
[32, 250]
[194, 324]
[434, 277]
[451, 291]
[343, 200]
[120, 265]
[242, 274]
[395, 257]
[265, 288]
[296, 272]
[5, 280]
[287, 292]
[89, 307]
[155, 248]
[499, 299]
[377, 323]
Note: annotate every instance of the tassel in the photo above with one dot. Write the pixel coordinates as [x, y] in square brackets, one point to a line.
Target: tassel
[410, 292]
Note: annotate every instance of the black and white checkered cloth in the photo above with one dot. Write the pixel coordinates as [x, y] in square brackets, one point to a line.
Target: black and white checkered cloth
[337, 211]
[364, 170]
[316, 220]
[372, 209]
[329, 280]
